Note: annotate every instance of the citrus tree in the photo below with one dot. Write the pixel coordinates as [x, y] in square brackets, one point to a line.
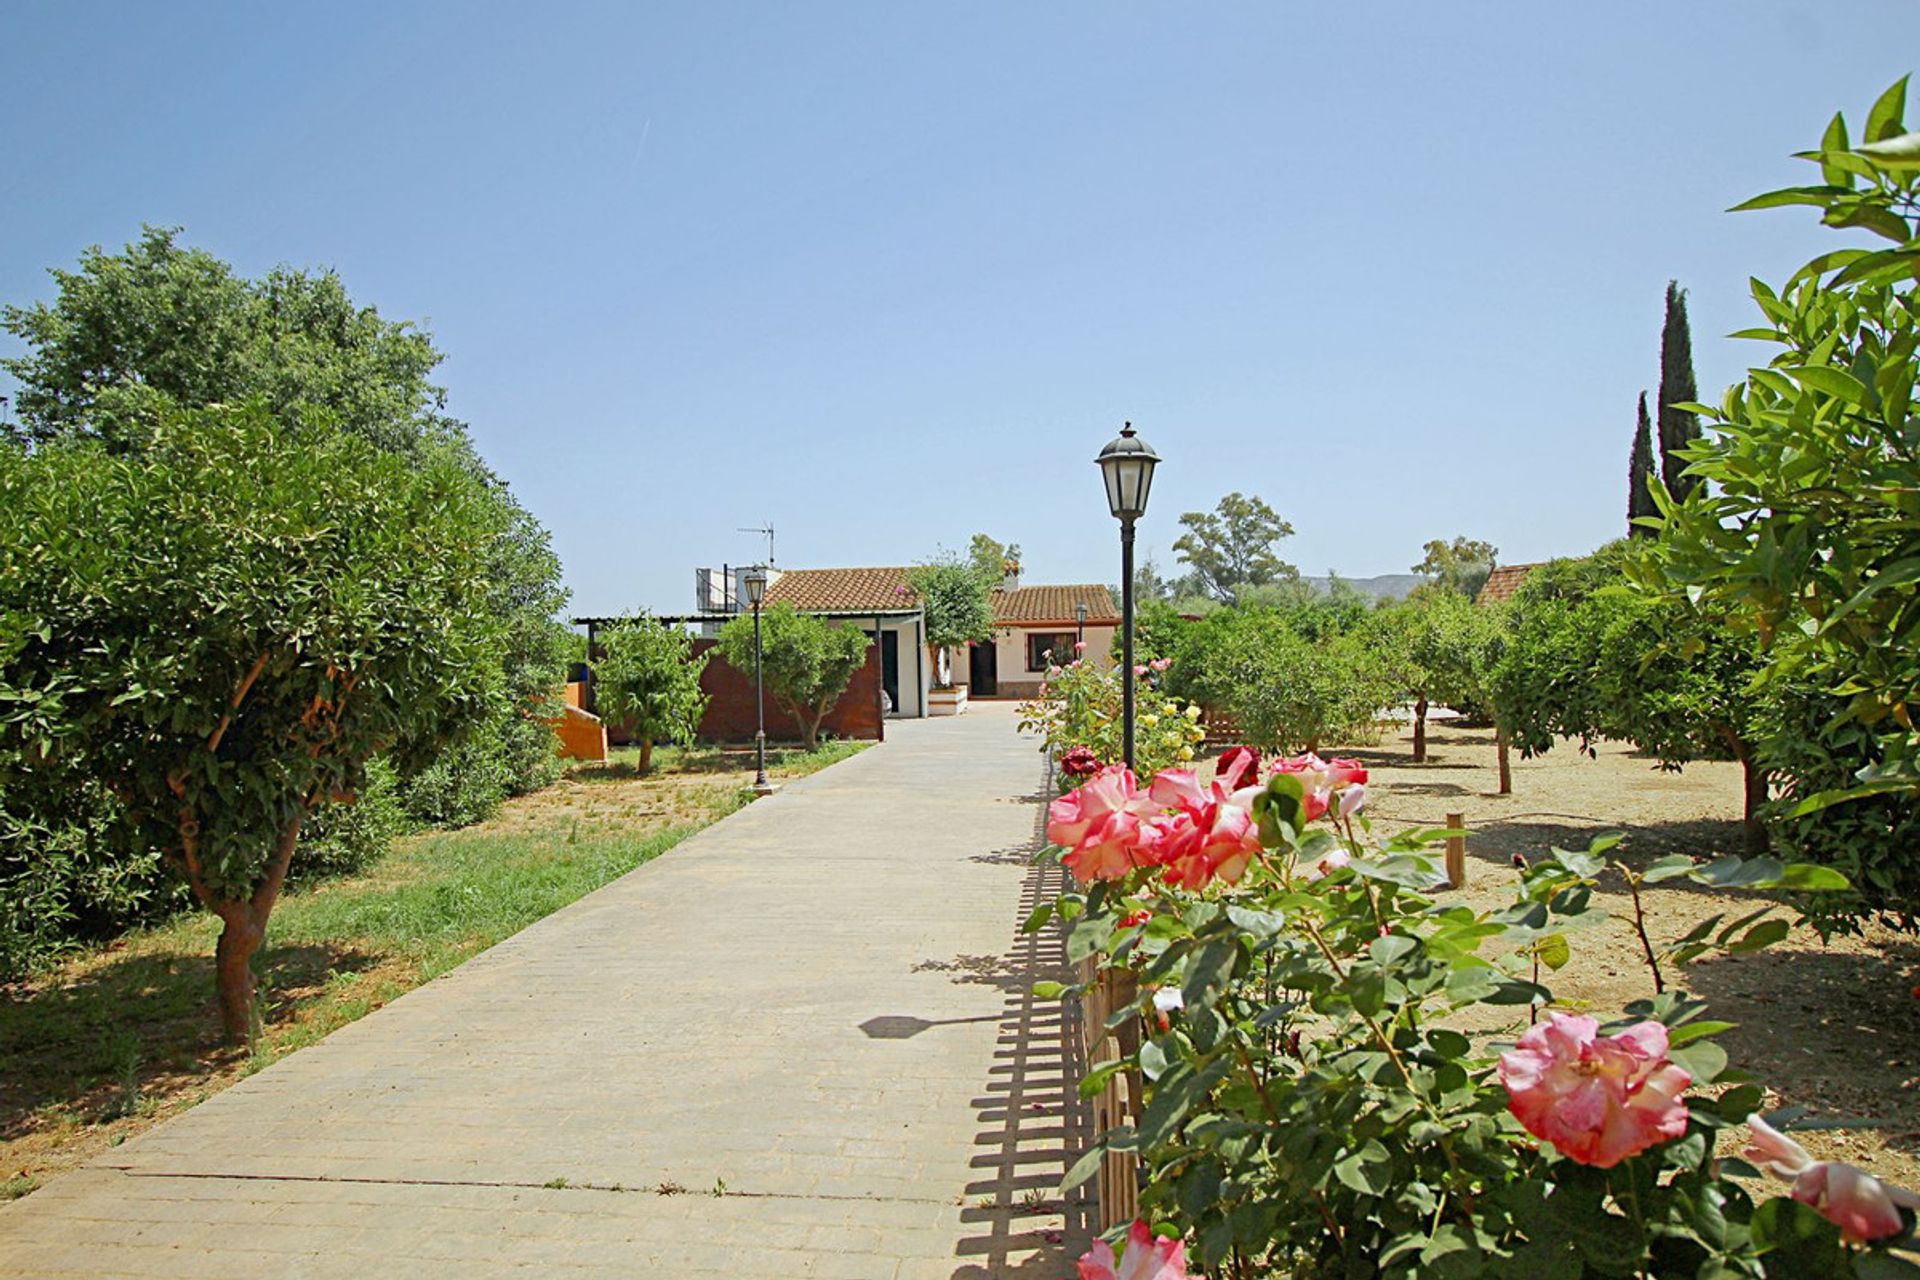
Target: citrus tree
[647, 679]
[225, 625]
[807, 662]
[1803, 528]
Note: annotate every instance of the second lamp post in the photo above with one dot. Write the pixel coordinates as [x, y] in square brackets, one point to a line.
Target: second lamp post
[1127, 466]
[755, 581]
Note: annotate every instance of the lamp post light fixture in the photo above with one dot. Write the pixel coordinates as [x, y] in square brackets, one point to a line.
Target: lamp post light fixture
[1126, 464]
[1080, 624]
[755, 582]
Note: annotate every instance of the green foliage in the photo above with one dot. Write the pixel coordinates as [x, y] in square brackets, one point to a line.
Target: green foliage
[992, 560]
[1640, 500]
[647, 680]
[1317, 1044]
[339, 839]
[1462, 565]
[807, 661]
[1232, 546]
[160, 323]
[1453, 647]
[1586, 657]
[1807, 525]
[1291, 681]
[65, 880]
[1810, 744]
[229, 622]
[1803, 528]
[1081, 705]
[1679, 426]
[955, 597]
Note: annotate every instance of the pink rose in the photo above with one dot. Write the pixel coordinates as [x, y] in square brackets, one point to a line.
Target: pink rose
[1147, 1257]
[1597, 1099]
[1236, 764]
[1079, 646]
[1101, 825]
[1352, 799]
[1862, 1206]
[1139, 669]
[1161, 664]
[1210, 832]
[1323, 779]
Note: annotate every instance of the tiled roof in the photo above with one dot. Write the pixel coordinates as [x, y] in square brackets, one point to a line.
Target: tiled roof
[822, 590]
[1503, 582]
[852, 590]
[1027, 605]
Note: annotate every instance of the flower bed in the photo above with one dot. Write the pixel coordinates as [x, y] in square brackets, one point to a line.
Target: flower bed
[1340, 1074]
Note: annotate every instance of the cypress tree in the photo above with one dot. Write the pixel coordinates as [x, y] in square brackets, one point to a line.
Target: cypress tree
[1677, 427]
[1640, 475]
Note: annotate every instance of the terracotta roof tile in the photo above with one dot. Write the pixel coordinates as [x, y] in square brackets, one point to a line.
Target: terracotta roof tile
[886, 588]
[844, 589]
[1027, 605]
[1503, 582]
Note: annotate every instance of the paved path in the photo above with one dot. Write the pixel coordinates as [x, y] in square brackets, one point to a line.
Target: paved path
[820, 1003]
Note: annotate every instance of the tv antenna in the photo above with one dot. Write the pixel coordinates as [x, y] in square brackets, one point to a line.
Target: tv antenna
[765, 531]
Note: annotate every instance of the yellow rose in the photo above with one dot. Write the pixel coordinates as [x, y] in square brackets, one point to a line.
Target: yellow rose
[1186, 753]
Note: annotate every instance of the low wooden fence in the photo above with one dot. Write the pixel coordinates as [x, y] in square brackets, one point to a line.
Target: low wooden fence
[1117, 1185]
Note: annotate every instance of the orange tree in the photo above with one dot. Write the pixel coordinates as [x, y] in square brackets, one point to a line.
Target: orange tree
[225, 626]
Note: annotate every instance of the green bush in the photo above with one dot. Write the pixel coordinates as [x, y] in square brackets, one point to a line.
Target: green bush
[339, 839]
[1286, 691]
[63, 882]
[466, 782]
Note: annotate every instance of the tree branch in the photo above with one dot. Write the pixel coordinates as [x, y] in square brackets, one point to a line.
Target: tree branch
[239, 696]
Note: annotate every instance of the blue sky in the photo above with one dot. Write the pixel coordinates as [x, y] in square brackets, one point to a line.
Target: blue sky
[889, 274]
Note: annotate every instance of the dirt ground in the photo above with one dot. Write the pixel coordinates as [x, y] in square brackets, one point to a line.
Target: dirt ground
[1833, 1028]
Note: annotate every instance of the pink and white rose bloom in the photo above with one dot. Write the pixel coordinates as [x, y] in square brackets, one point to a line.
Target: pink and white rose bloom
[1597, 1099]
[1323, 780]
[1862, 1206]
[1210, 831]
[1102, 826]
[1147, 1257]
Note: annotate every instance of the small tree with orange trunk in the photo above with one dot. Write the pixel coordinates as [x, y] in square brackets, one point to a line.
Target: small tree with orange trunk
[646, 679]
[225, 625]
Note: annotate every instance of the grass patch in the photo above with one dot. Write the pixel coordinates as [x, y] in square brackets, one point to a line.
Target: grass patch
[117, 1039]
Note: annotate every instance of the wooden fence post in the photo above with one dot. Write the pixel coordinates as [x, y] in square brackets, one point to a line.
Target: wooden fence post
[1456, 852]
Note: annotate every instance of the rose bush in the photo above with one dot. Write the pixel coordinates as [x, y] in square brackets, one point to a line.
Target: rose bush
[1077, 714]
[1346, 1076]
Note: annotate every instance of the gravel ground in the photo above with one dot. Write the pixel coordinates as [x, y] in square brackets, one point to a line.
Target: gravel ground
[1832, 1027]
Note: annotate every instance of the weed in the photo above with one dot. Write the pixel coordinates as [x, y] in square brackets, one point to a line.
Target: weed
[555, 1184]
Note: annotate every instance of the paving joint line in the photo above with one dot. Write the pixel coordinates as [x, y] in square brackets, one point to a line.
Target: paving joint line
[614, 1188]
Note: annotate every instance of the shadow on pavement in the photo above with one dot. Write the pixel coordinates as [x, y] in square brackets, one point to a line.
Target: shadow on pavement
[1033, 1124]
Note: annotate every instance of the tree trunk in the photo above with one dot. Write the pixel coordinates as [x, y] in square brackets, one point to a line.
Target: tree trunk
[245, 926]
[1420, 729]
[1506, 761]
[810, 728]
[233, 970]
[646, 754]
[1758, 840]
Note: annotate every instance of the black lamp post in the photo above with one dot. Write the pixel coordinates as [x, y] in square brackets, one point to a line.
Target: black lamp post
[1127, 466]
[755, 581]
[1080, 624]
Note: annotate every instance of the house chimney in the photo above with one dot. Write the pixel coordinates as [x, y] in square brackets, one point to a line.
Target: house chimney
[1009, 574]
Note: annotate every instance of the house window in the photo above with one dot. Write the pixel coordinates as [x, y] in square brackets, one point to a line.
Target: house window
[1038, 644]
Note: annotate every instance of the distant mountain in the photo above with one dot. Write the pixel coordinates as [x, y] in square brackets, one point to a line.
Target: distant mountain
[1390, 585]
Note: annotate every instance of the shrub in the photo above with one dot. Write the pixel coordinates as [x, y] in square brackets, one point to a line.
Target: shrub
[1283, 690]
[1344, 1077]
[1080, 710]
[64, 880]
[343, 838]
